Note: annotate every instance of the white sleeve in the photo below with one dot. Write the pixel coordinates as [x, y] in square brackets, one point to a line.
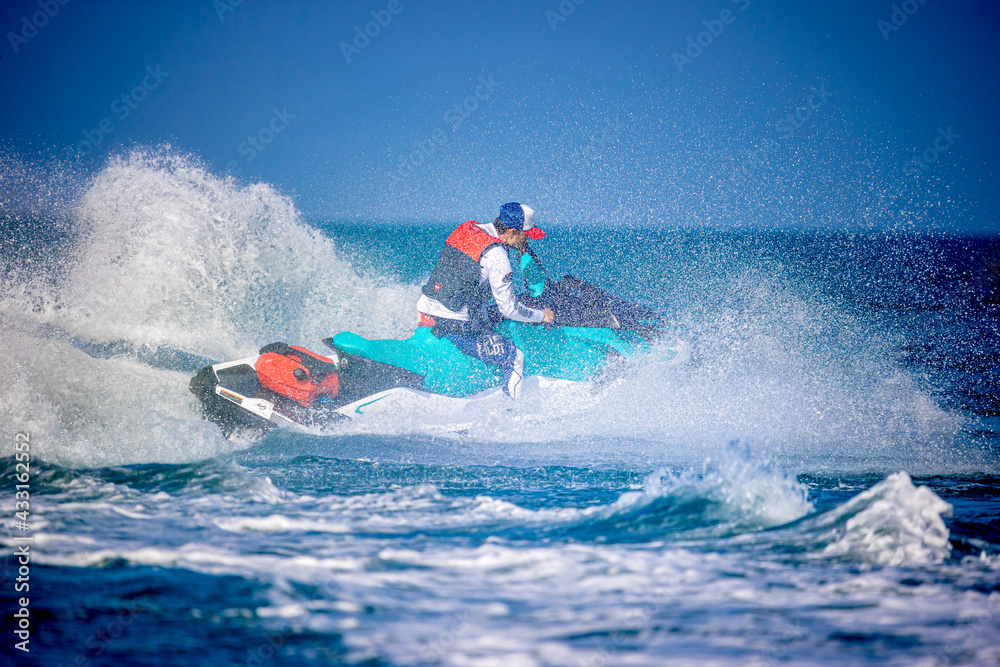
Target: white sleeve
[496, 266]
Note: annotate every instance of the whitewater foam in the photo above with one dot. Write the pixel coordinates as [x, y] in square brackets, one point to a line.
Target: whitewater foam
[893, 523]
[728, 496]
[167, 253]
[163, 255]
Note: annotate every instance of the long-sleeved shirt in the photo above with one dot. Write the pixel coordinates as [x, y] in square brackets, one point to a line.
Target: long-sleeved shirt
[494, 268]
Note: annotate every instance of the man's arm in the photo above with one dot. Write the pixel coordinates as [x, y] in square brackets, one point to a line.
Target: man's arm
[499, 273]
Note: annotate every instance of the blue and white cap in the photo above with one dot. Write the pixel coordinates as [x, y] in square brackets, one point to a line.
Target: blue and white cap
[522, 218]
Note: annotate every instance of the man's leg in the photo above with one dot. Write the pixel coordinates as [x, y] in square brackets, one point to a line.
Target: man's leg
[495, 349]
[477, 339]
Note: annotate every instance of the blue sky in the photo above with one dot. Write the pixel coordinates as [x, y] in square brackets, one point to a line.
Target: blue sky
[725, 112]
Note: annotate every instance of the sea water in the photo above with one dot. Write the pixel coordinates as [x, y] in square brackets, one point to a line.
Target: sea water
[816, 482]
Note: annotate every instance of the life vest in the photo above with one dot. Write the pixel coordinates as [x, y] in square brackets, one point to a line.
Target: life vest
[455, 281]
[296, 373]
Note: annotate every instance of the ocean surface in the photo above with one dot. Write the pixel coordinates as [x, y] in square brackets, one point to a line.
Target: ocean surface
[817, 485]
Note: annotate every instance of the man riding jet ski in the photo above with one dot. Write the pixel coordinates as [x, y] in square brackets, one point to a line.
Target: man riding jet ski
[470, 291]
[563, 330]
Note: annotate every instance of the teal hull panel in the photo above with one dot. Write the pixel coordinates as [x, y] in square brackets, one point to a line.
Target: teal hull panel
[445, 368]
[569, 353]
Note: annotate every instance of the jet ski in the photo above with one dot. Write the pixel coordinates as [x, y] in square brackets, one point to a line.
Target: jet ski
[291, 386]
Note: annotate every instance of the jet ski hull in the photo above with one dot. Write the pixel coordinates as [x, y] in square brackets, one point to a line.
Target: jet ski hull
[233, 396]
[376, 376]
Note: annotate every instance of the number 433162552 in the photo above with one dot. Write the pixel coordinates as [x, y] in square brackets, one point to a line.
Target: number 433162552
[23, 456]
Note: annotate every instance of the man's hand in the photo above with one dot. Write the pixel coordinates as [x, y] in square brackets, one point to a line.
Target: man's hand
[549, 316]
